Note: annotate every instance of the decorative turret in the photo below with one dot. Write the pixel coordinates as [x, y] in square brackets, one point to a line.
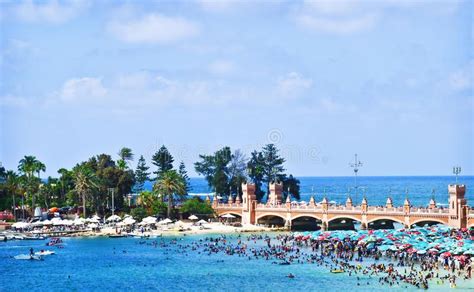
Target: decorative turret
[364, 205]
[237, 199]
[432, 204]
[324, 204]
[458, 208]
[349, 202]
[311, 201]
[389, 203]
[406, 205]
[248, 195]
[276, 191]
[215, 201]
[208, 199]
[288, 201]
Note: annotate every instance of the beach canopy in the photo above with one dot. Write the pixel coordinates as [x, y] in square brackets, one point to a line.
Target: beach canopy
[114, 218]
[20, 224]
[193, 217]
[200, 222]
[228, 216]
[149, 220]
[129, 221]
[79, 221]
[92, 220]
[47, 222]
[166, 221]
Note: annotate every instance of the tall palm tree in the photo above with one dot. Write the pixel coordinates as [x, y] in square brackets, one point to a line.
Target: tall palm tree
[28, 166]
[85, 184]
[12, 184]
[170, 184]
[39, 167]
[126, 155]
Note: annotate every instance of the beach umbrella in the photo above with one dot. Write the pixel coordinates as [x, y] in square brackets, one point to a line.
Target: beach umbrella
[20, 224]
[95, 217]
[228, 216]
[200, 222]
[47, 222]
[165, 221]
[469, 252]
[149, 220]
[79, 221]
[93, 225]
[54, 210]
[193, 217]
[129, 221]
[37, 223]
[114, 218]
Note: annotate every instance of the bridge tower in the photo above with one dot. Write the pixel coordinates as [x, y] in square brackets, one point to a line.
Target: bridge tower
[457, 206]
[249, 202]
[276, 191]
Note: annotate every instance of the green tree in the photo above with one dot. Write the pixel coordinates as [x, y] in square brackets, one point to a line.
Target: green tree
[215, 168]
[255, 171]
[291, 186]
[126, 155]
[273, 165]
[139, 213]
[152, 204]
[85, 184]
[169, 185]
[141, 175]
[237, 172]
[184, 174]
[196, 206]
[28, 166]
[163, 160]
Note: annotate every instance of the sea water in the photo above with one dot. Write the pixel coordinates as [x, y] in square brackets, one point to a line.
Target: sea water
[418, 189]
[105, 264]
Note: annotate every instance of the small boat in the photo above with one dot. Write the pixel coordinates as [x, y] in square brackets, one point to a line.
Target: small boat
[117, 235]
[28, 257]
[34, 238]
[44, 252]
[337, 271]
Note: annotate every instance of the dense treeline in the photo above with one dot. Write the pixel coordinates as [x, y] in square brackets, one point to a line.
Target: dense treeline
[90, 185]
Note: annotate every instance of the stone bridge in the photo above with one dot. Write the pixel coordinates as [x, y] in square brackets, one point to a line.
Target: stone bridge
[457, 215]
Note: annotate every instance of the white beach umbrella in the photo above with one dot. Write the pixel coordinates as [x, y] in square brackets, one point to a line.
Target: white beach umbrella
[37, 223]
[20, 224]
[93, 225]
[149, 220]
[79, 221]
[47, 222]
[129, 221]
[201, 222]
[166, 221]
[67, 222]
[228, 216]
[193, 217]
[96, 217]
[114, 218]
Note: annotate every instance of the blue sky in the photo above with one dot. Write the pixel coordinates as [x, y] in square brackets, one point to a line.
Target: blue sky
[389, 80]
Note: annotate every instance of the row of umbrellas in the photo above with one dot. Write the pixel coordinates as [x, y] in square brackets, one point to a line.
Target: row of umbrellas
[423, 240]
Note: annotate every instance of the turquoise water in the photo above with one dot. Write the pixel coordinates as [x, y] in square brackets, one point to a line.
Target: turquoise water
[376, 188]
[98, 264]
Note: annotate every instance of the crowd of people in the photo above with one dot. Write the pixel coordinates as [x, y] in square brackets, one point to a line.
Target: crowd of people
[363, 261]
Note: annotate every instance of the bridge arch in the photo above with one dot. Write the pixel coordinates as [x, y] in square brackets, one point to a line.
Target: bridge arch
[271, 219]
[386, 218]
[269, 214]
[229, 212]
[345, 217]
[437, 220]
[307, 215]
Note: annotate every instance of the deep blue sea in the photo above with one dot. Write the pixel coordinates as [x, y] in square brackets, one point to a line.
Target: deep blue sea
[376, 188]
[104, 264]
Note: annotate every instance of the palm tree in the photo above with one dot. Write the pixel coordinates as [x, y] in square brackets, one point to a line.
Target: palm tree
[28, 167]
[85, 183]
[126, 155]
[170, 184]
[12, 184]
[39, 167]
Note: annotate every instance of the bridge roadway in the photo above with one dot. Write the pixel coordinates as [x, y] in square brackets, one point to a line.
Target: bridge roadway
[458, 214]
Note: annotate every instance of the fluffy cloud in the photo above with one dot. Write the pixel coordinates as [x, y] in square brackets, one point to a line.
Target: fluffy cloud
[153, 28]
[80, 89]
[50, 11]
[293, 84]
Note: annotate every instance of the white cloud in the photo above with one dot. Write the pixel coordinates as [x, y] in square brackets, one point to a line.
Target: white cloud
[221, 67]
[80, 89]
[153, 28]
[50, 11]
[330, 6]
[293, 84]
